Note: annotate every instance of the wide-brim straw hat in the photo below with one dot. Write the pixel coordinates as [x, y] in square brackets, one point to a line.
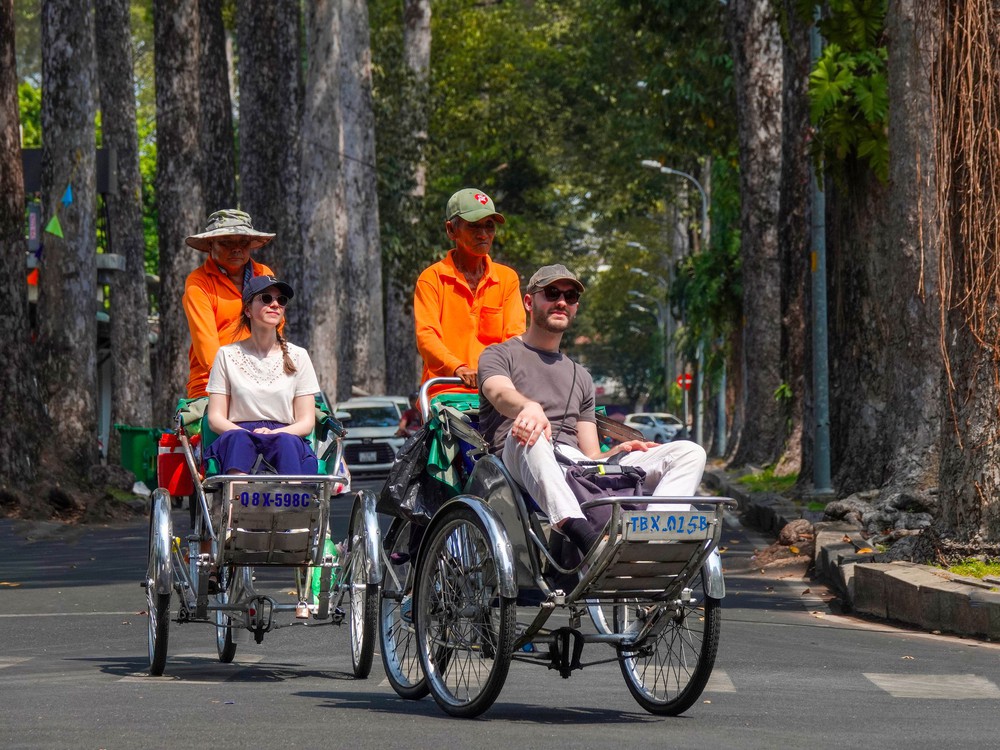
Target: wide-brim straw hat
[228, 223]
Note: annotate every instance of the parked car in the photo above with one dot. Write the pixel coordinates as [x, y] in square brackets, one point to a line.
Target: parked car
[371, 443]
[660, 427]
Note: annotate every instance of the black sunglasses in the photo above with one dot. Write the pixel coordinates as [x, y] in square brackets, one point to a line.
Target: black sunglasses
[572, 296]
[267, 299]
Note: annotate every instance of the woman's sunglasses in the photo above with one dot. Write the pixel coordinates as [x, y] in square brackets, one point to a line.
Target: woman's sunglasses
[267, 299]
[572, 296]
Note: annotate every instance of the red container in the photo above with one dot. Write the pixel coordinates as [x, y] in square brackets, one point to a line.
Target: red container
[171, 469]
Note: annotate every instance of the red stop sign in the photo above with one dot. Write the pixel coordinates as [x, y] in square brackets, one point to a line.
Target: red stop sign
[684, 381]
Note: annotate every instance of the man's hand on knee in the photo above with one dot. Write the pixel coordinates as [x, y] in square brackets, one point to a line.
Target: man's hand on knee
[530, 424]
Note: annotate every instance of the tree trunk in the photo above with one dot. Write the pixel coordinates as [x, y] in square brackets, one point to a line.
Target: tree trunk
[912, 429]
[20, 408]
[270, 112]
[857, 280]
[359, 210]
[67, 308]
[218, 173]
[323, 289]
[967, 90]
[402, 359]
[131, 377]
[178, 188]
[757, 67]
[795, 242]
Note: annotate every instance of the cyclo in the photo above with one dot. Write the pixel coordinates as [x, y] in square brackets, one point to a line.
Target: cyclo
[652, 590]
[263, 520]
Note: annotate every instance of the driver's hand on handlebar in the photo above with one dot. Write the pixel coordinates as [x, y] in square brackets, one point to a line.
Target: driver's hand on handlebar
[530, 424]
[468, 376]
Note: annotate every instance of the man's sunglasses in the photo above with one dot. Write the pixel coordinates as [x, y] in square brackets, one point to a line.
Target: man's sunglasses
[572, 296]
[267, 299]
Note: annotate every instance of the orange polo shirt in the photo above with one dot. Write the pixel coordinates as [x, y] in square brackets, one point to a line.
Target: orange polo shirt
[454, 324]
[213, 305]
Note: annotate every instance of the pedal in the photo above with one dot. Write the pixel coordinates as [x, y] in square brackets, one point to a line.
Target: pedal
[260, 615]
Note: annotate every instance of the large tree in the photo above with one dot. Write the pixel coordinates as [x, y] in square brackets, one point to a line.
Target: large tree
[409, 205]
[794, 237]
[967, 119]
[178, 188]
[20, 409]
[270, 113]
[358, 223]
[757, 72]
[132, 394]
[218, 170]
[67, 309]
[322, 291]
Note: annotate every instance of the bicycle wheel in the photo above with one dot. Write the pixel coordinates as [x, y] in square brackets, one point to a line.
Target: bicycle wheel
[667, 671]
[159, 575]
[465, 628]
[363, 595]
[223, 624]
[396, 635]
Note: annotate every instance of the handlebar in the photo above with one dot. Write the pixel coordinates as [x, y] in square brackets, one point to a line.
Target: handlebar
[425, 389]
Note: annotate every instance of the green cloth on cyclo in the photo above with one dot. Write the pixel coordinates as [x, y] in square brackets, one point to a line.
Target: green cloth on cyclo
[444, 449]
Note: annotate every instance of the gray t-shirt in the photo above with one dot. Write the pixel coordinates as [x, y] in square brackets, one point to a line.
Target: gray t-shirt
[563, 388]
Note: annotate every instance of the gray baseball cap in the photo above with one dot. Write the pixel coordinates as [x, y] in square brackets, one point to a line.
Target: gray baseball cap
[549, 274]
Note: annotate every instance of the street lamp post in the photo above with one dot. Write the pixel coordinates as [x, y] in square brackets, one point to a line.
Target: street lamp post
[662, 315]
[705, 232]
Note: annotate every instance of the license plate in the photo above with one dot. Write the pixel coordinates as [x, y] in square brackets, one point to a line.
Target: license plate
[368, 457]
[666, 526]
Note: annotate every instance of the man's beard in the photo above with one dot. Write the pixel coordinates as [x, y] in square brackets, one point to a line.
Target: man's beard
[559, 325]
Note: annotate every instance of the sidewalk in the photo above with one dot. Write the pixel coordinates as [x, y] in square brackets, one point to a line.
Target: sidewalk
[919, 595]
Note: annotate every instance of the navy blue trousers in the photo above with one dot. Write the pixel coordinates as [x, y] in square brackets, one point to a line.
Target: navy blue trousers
[237, 450]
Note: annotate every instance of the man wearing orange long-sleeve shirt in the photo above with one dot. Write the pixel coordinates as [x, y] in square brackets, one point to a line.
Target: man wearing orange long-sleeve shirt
[213, 292]
[466, 301]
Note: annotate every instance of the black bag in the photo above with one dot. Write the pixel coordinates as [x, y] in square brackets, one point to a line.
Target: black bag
[409, 492]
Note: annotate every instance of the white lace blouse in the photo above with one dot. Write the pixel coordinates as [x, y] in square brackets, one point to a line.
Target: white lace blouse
[260, 389]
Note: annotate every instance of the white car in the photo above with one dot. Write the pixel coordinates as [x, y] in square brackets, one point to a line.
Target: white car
[660, 427]
[371, 443]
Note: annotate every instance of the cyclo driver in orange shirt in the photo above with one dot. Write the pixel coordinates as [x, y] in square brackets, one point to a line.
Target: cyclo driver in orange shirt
[466, 301]
[213, 292]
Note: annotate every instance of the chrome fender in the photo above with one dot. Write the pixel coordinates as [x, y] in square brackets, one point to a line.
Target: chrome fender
[364, 504]
[499, 541]
[715, 584]
[158, 568]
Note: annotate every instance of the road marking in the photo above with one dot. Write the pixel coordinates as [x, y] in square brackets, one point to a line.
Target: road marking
[939, 686]
[10, 661]
[132, 613]
[720, 682]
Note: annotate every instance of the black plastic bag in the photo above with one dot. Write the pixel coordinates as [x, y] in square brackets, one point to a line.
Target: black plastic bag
[409, 491]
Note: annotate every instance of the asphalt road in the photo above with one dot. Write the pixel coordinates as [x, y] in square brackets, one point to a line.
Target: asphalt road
[790, 672]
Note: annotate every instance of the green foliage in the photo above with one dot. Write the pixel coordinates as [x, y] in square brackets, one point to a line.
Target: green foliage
[975, 568]
[29, 99]
[783, 393]
[766, 481]
[848, 88]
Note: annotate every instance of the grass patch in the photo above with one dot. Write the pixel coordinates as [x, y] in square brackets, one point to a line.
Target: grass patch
[766, 481]
[976, 568]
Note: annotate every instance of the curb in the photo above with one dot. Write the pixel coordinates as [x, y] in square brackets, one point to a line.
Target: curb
[920, 595]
